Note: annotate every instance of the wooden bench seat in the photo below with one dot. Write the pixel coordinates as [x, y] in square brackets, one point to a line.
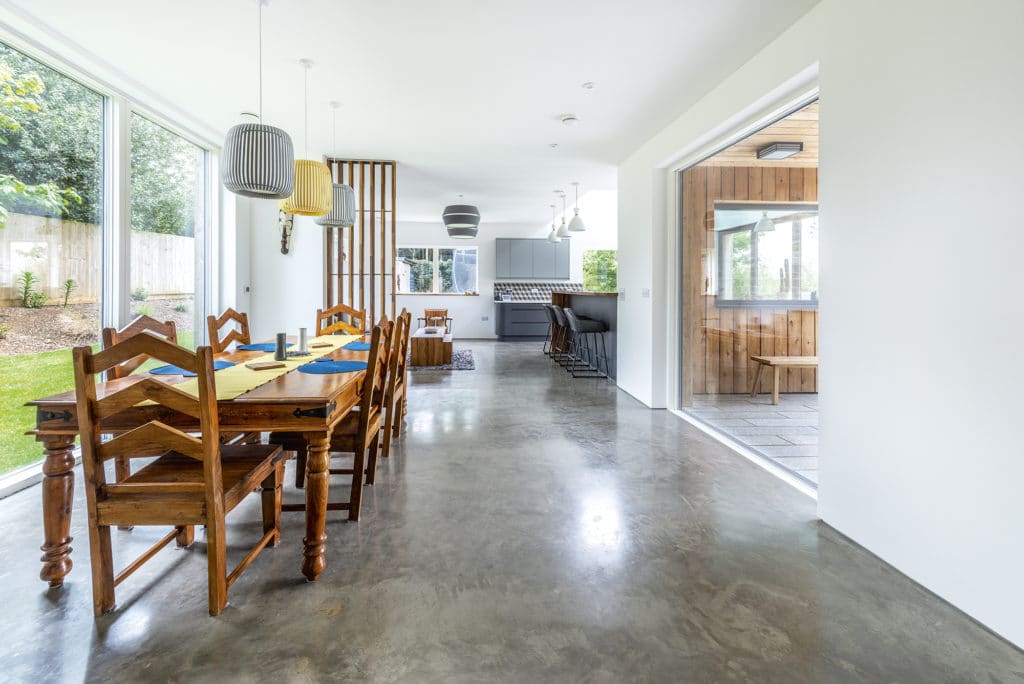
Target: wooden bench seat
[778, 363]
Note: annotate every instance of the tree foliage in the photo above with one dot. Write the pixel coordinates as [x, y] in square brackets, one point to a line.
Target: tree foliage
[32, 177]
[600, 270]
[51, 154]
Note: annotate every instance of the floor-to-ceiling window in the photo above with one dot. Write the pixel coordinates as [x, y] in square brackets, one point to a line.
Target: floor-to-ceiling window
[750, 291]
[51, 226]
[168, 210]
[68, 266]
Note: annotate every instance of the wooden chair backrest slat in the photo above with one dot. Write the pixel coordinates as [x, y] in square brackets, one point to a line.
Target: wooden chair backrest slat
[239, 334]
[112, 336]
[372, 399]
[340, 318]
[147, 436]
[396, 362]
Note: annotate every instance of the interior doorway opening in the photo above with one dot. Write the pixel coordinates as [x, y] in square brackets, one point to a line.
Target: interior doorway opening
[750, 271]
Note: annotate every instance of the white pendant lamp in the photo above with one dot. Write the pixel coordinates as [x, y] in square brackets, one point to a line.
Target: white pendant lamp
[343, 205]
[258, 160]
[563, 230]
[576, 224]
[764, 224]
[553, 235]
[312, 194]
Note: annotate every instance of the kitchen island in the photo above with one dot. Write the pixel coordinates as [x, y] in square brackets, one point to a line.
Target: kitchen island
[601, 306]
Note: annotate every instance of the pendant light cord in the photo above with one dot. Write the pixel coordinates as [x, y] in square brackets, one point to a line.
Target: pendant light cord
[259, 58]
[305, 115]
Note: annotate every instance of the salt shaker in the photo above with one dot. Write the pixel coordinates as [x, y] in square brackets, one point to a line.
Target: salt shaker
[281, 352]
[302, 341]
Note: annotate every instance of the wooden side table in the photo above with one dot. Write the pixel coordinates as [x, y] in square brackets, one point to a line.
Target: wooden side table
[430, 348]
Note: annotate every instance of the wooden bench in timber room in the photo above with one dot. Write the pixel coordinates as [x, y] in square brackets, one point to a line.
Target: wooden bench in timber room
[777, 363]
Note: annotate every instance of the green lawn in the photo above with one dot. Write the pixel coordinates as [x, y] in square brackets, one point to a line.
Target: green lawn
[30, 376]
[26, 377]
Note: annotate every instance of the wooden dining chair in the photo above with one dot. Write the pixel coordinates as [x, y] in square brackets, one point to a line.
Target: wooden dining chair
[357, 433]
[239, 331]
[340, 319]
[191, 481]
[394, 393]
[112, 336]
[438, 318]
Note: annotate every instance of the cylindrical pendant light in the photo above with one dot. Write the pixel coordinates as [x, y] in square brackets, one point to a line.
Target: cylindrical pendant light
[257, 160]
[312, 194]
[461, 220]
[343, 205]
[553, 235]
[576, 224]
[563, 230]
[764, 224]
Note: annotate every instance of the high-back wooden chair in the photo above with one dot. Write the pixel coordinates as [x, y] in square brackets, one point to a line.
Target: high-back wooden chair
[438, 318]
[357, 433]
[394, 394]
[340, 319]
[192, 481]
[112, 336]
[239, 334]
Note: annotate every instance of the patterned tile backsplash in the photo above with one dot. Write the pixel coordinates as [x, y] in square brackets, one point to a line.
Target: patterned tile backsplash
[534, 291]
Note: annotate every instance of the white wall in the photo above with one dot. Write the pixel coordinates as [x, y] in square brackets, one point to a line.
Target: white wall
[920, 147]
[922, 459]
[287, 289]
[598, 211]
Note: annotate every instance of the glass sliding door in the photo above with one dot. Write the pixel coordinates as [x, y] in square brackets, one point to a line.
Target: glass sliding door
[51, 227]
[750, 293]
[168, 217]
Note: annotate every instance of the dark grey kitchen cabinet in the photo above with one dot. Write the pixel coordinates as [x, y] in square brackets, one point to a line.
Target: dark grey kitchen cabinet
[526, 319]
[544, 258]
[562, 260]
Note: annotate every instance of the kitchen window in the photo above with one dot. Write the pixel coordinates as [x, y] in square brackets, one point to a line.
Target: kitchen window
[437, 270]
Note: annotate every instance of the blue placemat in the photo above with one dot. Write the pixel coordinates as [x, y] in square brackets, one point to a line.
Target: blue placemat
[357, 346]
[262, 346]
[174, 370]
[326, 366]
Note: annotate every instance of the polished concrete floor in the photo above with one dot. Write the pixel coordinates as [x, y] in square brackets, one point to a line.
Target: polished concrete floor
[530, 528]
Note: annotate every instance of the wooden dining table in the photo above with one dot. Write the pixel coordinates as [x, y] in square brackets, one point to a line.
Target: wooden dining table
[312, 404]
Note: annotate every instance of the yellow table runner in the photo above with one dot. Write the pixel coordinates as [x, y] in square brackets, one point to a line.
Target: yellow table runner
[236, 380]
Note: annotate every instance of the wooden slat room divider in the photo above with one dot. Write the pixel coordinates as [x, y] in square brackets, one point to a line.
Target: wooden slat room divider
[366, 282]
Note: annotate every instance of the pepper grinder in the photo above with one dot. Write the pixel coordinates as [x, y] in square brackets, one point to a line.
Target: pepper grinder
[302, 341]
[281, 352]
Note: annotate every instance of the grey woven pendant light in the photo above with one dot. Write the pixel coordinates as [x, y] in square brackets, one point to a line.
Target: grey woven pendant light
[343, 205]
[258, 160]
[461, 220]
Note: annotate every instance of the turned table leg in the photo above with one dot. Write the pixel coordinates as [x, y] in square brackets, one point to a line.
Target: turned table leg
[317, 480]
[58, 495]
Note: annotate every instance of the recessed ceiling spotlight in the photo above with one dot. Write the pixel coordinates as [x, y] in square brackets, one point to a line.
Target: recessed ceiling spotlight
[589, 85]
[569, 119]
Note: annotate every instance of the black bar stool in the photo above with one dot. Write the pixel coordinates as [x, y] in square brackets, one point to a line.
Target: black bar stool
[583, 330]
[559, 352]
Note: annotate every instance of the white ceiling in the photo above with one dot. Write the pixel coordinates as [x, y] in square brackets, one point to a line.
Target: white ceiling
[464, 94]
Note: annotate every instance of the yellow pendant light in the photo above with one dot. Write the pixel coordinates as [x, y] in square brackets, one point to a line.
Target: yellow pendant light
[313, 192]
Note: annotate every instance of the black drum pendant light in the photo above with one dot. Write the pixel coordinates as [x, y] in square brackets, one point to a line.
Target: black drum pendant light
[461, 220]
[258, 160]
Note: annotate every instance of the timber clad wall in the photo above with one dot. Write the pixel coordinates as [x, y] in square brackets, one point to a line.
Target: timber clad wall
[718, 342]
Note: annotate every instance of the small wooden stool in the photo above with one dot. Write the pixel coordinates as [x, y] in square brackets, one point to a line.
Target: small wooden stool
[778, 363]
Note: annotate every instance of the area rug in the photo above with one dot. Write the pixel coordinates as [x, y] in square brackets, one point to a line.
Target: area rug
[462, 359]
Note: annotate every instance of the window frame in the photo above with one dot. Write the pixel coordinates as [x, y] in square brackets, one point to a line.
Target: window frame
[436, 270]
[722, 302]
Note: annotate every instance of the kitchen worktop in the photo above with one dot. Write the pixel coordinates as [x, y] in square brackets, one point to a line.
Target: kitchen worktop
[578, 293]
